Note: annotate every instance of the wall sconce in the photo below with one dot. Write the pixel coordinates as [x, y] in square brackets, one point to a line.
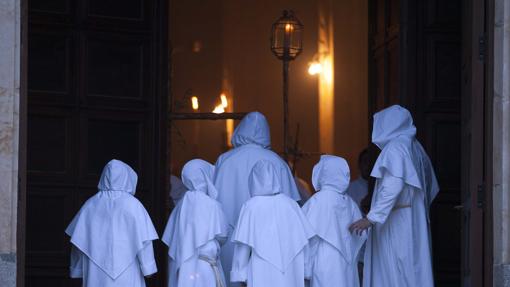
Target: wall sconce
[314, 68]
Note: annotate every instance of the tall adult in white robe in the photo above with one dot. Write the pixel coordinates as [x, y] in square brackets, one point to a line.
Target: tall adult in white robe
[271, 234]
[195, 230]
[112, 234]
[252, 142]
[334, 252]
[398, 252]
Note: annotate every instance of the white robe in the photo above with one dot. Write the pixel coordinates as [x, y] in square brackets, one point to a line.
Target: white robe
[82, 267]
[332, 257]
[251, 141]
[112, 233]
[398, 252]
[196, 272]
[331, 265]
[270, 251]
[195, 230]
[271, 234]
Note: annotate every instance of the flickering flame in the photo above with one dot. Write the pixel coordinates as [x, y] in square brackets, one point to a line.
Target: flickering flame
[224, 101]
[194, 103]
[219, 109]
[314, 68]
[289, 28]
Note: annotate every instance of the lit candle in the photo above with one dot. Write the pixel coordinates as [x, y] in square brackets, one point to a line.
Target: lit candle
[194, 103]
[286, 39]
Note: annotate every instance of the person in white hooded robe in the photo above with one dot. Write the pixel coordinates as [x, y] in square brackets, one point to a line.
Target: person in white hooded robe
[195, 230]
[271, 234]
[112, 233]
[333, 254]
[252, 142]
[398, 251]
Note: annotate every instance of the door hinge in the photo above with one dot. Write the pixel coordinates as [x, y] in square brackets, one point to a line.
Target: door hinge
[480, 196]
[482, 48]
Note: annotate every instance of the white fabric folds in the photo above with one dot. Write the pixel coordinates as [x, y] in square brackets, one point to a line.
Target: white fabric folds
[333, 257]
[196, 221]
[112, 227]
[330, 210]
[252, 143]
[398, 251]
[402, 155]
[271, 223]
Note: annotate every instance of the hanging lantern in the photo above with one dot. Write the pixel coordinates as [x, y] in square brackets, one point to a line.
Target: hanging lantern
[287, 37]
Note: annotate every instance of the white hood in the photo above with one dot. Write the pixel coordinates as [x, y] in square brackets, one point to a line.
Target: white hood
[197, 175]
[331, 173]
[264, 179]
[253, 129]
[391, 123]
[118, 176]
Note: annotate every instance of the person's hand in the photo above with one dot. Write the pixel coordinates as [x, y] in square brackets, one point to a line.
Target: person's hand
[359, 226]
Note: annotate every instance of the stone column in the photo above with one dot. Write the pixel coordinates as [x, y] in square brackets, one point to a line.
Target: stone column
[9, 136]
[501, 144]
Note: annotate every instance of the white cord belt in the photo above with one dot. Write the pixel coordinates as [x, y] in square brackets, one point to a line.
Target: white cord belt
[215, 268]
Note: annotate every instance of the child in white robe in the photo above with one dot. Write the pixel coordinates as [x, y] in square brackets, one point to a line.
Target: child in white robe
[271, 234]
[334, 252]
[196, 229]
[112, 234]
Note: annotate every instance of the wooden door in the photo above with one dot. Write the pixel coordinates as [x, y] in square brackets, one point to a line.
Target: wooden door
[96, 91]
[476, 146]
[415, 61]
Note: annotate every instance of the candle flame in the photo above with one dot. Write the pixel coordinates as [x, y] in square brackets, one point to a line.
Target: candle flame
[194, 103]
[224, 101]
[218, 109]
[289, 28]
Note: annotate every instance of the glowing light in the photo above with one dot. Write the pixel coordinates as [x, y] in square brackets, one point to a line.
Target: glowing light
[224, 101]
[289, 28]
[194, 103]
[230, 132]
[219, 109]
[314, 68]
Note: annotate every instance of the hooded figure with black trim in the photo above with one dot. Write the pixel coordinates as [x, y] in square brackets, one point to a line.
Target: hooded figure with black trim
[252, 142]
[333, 255]
[398, 252]
[112, 233]
[271, 234]
[196, 229]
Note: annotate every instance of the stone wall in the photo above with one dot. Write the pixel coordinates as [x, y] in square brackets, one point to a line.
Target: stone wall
[501, 142]
[9, 135]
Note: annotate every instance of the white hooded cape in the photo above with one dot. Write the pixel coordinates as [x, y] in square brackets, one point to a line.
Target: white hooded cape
[398, 248]
[112, 227]
[251, 141]
[196, 228]
[273, 231]
[333, 256]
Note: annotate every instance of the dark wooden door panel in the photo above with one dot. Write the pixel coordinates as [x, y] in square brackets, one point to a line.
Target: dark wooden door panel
[94, 79]
[415, 62]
